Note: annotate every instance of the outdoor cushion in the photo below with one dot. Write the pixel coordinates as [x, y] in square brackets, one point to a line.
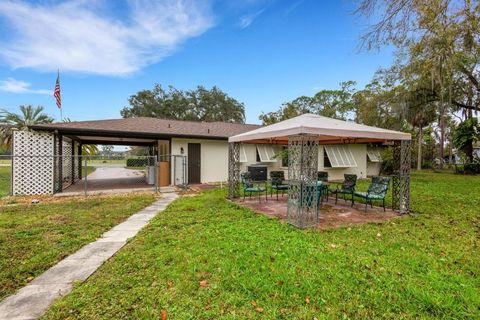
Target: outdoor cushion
[280, 186]
[254, 189]
[377, 189]
[366, 195]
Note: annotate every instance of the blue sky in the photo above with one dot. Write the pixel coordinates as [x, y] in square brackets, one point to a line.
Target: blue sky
[261, 52]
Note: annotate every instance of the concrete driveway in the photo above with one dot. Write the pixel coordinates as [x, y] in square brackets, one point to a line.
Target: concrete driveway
[114, 172]
[111, 177]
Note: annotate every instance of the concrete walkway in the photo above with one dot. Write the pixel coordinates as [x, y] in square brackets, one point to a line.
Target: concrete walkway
[33, 300]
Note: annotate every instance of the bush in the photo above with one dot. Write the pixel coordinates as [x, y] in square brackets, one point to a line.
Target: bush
[142, 162]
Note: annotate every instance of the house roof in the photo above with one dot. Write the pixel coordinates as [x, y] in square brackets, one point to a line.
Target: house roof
[143, 126]
[330, 131]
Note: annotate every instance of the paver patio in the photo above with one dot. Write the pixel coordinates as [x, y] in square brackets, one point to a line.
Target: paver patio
[33, 300]
[331, 215]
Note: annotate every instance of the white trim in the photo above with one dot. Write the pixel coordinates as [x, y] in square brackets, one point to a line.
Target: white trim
[340, 156]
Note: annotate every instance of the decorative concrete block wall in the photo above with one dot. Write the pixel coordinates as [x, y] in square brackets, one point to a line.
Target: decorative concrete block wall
[33, 163]
[76, 160]
[67, 163]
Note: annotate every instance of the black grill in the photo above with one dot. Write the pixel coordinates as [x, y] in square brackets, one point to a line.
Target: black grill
[257, 172]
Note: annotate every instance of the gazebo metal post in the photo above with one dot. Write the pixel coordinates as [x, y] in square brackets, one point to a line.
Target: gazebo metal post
[233, 170]
[302, 210]
[401, 179]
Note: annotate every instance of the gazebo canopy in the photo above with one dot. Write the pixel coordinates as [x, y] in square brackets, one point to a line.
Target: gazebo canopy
[330, 131]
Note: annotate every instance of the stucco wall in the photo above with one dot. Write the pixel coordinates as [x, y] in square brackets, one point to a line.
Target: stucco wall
[214, 159]
[373, 168]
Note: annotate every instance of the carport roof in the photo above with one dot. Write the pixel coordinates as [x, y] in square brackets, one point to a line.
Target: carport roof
[148, 127]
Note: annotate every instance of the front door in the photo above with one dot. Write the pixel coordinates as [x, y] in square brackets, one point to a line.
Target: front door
[193, 163]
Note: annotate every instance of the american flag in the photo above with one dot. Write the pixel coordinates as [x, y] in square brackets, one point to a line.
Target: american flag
[56, 92]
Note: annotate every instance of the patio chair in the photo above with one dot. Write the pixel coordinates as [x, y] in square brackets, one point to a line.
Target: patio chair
[250, 187]
[277, 182]
[323, 176]
[376, 191]
[347, 187]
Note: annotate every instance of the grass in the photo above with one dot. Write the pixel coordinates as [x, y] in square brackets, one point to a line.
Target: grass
[206, 258]
[35, 237]
[5, 173]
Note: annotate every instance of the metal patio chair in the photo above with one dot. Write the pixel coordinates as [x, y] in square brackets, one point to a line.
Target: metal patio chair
[249, 186]
[347, 187]
[277, 180]
[376, 191]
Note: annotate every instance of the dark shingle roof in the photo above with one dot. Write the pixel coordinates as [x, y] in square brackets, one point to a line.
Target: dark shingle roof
[151, 126]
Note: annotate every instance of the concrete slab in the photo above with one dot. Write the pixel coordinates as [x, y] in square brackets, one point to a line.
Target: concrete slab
[141, 216]
[33, 300]
[68, 271]
[29, 302]
[117, 235]
[101, 250]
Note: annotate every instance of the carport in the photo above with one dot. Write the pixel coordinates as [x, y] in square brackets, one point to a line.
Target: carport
[48, 158]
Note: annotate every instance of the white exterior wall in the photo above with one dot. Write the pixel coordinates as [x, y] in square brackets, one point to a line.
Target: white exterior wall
[214, 160]
[373, 168]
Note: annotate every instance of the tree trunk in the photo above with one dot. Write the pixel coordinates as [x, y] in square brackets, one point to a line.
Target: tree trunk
[442, 135]
[419, 156]
[450, 151]
[469, 146]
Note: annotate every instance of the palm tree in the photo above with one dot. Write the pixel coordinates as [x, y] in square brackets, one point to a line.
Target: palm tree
[420, 115]
[87, 149]
[10, 122]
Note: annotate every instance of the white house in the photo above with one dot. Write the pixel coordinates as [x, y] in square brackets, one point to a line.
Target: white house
[204, 145]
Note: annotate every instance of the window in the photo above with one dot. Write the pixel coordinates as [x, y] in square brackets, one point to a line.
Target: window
[374, 155]
[265, 153]
[339, 156]
[243, 154]
[326, 161]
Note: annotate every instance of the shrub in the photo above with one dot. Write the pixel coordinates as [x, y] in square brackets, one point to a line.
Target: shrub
[142, 162]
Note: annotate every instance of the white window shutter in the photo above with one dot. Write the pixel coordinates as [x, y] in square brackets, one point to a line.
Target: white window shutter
[266, 153]
[374, 155]
[243, 154]
[340, 156]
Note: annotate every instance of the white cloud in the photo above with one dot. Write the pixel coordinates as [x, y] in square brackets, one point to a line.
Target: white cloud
[83, 36]
[18, 86]
[247, 19]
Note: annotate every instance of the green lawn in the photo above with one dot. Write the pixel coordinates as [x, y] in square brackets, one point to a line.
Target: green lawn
[206, 258]
[35, 237]
[5, 173]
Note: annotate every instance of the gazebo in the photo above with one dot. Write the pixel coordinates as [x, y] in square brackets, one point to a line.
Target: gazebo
[303, 135]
